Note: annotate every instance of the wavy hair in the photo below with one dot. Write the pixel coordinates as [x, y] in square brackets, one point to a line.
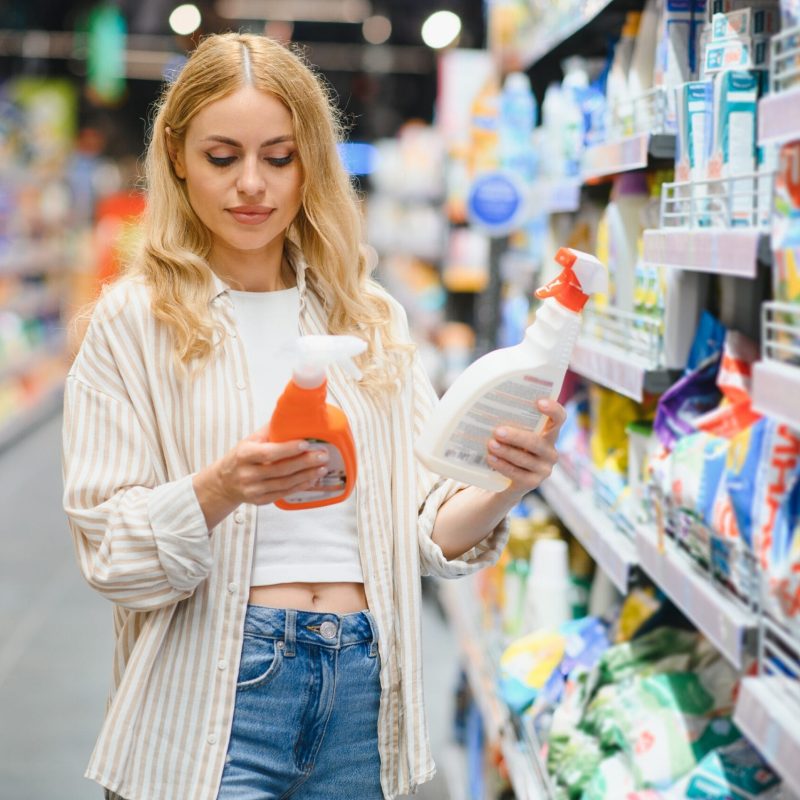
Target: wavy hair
[175, 245]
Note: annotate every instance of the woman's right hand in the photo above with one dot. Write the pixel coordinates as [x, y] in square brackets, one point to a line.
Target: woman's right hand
[256, 471]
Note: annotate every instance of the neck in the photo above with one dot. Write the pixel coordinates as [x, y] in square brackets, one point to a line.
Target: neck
[263, 270]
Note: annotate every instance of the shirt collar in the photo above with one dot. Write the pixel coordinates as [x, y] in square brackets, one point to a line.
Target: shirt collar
[296, 261]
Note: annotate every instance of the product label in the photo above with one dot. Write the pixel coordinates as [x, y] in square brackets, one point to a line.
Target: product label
[331, 484]
[512, 402]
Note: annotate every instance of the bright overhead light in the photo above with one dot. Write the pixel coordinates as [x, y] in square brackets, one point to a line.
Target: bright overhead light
[376, 29]
[185, 19]
[441, 29]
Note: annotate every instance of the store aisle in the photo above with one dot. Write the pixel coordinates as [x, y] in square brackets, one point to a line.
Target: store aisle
[55, 640]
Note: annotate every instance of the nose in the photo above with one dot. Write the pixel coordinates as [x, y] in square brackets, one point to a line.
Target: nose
[250, 180]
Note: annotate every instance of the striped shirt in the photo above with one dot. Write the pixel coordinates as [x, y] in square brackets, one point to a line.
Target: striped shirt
[135, 432]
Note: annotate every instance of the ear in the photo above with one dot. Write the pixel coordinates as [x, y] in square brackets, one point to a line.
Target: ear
[175, 154]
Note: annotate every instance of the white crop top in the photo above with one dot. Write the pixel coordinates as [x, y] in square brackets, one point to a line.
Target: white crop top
[314, 545]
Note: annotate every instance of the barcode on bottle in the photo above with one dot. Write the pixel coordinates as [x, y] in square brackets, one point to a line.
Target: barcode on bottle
[461, 455]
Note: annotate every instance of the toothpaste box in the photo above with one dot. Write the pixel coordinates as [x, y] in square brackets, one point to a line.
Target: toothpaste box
[744, 22]
[726, 6]
[695, 130]
[734, 148]
[737, 53]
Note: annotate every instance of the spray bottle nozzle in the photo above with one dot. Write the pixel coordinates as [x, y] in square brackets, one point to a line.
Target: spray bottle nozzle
[313, 354]
[581, 276]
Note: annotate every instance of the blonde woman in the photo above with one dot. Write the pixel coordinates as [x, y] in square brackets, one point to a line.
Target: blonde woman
[260, 653]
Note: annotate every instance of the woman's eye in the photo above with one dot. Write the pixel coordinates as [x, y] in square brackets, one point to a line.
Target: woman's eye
[221, 161]
[281, 162]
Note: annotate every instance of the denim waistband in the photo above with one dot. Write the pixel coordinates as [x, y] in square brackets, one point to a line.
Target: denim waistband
[310, 627]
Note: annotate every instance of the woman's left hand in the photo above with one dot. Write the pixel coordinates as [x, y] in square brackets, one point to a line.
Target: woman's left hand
[525, 457]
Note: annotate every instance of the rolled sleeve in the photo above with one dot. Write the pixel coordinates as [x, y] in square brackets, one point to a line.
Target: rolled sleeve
[180, 532]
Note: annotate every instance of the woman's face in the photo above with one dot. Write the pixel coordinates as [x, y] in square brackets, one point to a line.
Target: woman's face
[242, 171]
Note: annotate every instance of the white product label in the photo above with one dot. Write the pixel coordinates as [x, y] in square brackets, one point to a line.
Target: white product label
[512, 402]
[331, 484]
[741, 160]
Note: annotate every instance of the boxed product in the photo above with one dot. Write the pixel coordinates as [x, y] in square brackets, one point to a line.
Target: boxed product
[744, 22]
[734, 150]
[740, 52]
[695, 130]
[727, 6]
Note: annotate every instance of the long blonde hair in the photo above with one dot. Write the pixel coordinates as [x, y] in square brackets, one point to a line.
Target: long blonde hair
[173, 257]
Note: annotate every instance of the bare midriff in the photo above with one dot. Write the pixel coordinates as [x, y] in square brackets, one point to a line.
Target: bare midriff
[332, 598]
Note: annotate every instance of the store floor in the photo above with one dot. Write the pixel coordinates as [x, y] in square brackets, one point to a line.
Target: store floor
[55, 641]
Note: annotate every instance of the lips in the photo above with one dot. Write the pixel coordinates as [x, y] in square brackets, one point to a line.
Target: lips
[250, 215]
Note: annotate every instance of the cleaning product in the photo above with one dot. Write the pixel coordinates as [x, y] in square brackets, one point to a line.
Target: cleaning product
[303, 413]
[517, 119]
[502, 387]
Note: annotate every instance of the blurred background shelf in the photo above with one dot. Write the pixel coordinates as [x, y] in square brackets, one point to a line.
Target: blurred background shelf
[729, 626]
[615, 368]
[613, 551]
[718, 251]
[623, 155]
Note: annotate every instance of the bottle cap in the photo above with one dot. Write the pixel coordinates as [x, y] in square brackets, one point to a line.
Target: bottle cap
[581, 276]
[313, 354]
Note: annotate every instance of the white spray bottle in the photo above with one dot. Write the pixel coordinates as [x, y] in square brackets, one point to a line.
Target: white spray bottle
[503, 387]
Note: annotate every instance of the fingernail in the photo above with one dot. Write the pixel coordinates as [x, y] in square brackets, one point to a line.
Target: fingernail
[494, 445]
[322, 471]
[301, 446]
[501, 433]
[493, 460]
[322, 456]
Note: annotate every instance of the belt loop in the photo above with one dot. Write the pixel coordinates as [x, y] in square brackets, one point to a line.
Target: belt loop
[289, 635]
[373, 626]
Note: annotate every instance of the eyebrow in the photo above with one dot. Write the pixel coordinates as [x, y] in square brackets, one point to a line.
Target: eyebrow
[234, 143]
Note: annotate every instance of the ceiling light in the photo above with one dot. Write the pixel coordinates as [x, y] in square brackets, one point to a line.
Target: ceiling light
[376, 29]
[441, 29]
[185, 19]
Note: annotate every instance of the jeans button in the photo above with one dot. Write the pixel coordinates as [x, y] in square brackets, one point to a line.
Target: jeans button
[328, 629]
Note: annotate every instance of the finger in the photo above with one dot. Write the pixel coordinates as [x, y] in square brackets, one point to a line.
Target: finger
[291, 466]
[528, 441]
[556, 414]
[522, 477]
[273, 489]
[260, 435]
[526, 459]
[271, 452]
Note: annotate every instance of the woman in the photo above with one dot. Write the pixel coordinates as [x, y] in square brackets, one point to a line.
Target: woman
[260, 653]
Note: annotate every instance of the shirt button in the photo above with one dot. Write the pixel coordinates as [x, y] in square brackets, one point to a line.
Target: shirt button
[222, 664]
[212, 739]
[232, 587]
[233, 334]
[241, 385]
[238, 518]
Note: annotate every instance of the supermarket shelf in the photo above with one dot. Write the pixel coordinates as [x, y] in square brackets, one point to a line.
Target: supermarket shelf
[34, 259]
[30, 360]
[583, 13]
[36, 302]
[720, 251]
[614, 368]
[462, 610]
[767, 712]
[610, 548]
[776, 387]
[779, 117]
[624, 155]
[730, 628]
[18, 425]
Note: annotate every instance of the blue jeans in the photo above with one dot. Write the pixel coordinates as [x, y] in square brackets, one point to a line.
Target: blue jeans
[305, 722]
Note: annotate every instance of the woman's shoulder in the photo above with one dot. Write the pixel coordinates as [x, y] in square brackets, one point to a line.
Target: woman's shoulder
[127, 297]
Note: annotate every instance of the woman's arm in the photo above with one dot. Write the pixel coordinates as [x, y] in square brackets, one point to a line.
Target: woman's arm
[469, 516]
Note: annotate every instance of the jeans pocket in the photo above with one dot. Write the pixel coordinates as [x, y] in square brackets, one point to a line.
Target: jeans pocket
[261, 660]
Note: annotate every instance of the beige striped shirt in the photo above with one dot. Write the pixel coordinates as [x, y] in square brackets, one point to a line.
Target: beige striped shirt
[135, 431]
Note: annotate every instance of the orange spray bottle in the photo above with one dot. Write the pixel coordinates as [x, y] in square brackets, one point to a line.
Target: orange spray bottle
[302, 412]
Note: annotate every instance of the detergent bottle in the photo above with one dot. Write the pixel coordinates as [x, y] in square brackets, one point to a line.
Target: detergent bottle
[503, 387]
[302, 412]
